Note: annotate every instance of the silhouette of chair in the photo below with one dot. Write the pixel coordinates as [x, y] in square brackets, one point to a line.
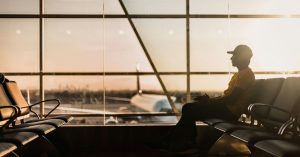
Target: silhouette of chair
[16, 98]
[265, 92]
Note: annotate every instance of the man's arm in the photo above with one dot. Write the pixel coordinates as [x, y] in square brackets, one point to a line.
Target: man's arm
[235, 94]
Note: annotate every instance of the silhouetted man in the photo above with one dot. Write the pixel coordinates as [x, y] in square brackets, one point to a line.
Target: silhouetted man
[230, 106]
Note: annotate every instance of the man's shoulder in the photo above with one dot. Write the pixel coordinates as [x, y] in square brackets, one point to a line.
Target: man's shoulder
[246, 79]
[246, 70]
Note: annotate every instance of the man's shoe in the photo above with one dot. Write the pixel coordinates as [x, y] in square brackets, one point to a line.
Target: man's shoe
[159, 144]
[181, 145]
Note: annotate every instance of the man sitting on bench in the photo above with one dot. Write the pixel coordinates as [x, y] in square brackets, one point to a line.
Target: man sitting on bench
[230, 106]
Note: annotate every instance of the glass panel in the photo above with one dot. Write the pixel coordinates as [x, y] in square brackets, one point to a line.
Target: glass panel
[112, 7]
[19, 6]
[264, 7]
[123, 52]
[209, 44]
[176, 86]
[274, 42]
[245, 7]
[78, 94]
[174, 83]
[165, 41]
[19, 46]
[150, 83]
[155, 6]
[213, 85]
[82, 7]
[80, 41]
[118, 95]
[209, 6]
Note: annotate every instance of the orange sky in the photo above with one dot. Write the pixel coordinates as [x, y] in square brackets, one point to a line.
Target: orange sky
[94, 45]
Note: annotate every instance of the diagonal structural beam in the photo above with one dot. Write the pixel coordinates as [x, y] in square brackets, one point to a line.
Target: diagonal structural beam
[174, 109]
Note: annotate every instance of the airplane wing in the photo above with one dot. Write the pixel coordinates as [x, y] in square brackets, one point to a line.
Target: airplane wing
[117, 98]
[92, 111]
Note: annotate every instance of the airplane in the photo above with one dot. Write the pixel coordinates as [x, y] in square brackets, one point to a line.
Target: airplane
[147, 101]
[150, 102]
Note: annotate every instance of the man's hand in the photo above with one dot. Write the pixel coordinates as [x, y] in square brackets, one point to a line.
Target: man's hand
[202, 98]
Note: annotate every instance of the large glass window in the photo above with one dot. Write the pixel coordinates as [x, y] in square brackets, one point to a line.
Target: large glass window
[132, 68]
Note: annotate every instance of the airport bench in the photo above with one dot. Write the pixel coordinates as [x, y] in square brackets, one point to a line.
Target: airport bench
[283, 109]
[265, 91]
[280, 146]
[10, 141]
[274, 118]
[16, 97]
[14, 109]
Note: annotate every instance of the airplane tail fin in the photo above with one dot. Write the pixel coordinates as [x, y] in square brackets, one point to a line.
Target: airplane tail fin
[138, 83]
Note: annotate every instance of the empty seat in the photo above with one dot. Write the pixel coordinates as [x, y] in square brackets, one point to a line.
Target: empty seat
[19, 138]
[265, 92]
[40, 129]
[279, 148]
[6, 148]
[280, 112]
[16, 98]
[10, 141]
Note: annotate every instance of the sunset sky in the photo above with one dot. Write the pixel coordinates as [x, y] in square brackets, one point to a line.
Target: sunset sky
[91, 45]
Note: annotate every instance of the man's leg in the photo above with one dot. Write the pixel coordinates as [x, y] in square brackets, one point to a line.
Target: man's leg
[185, 129]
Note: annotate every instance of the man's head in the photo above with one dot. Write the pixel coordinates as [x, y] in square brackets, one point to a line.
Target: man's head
[241, 56]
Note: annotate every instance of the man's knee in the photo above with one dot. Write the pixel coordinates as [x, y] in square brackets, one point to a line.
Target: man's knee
[187, 107]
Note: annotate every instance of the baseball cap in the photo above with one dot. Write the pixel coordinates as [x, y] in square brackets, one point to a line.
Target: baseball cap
[242, 51]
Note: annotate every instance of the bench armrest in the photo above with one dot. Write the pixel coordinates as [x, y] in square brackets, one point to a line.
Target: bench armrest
[37, 103]
[13, 117]
[255, 107]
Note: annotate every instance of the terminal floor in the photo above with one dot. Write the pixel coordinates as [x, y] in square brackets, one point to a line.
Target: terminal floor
[117, 141]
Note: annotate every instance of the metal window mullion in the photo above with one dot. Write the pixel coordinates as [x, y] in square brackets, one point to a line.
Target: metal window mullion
[188, 69]
[139, 73]
[148, 16]
[41, 59]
